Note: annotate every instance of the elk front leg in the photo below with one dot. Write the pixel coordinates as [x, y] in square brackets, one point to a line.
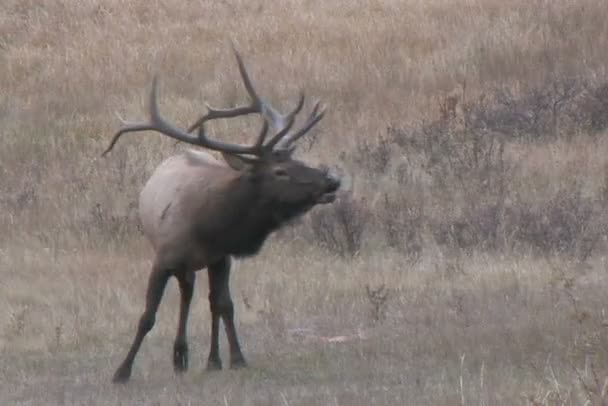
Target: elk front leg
[156, 286]
[222, 307]
[180, 347]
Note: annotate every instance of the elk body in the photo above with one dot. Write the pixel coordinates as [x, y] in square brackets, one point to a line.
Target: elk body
[198, 211]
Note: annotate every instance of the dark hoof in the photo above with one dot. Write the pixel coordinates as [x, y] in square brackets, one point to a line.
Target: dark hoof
[122, 375]
[214, 365]
[238, 363]
[180, 358]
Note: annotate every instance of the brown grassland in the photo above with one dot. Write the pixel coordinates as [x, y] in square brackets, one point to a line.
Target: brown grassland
[472, 134]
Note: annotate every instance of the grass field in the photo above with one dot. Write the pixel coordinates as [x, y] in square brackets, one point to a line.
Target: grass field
[471, 133]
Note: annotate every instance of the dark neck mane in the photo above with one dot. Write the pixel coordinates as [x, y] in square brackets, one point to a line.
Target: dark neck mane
[243, 223]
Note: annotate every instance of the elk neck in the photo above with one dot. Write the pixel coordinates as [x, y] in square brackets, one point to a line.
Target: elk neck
[245, 220]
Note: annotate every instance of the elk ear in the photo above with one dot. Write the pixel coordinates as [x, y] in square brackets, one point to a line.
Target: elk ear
[237, 162]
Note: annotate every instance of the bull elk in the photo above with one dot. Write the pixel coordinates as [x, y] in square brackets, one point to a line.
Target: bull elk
[198, 211]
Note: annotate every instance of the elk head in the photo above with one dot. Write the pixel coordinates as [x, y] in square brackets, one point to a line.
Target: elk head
[287, 186]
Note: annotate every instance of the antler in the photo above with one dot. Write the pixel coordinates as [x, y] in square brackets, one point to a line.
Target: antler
[281, 124]
[158, 123]
[314, 117]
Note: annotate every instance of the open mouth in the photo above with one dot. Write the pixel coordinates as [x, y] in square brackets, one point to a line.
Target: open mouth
[329, 195]
[325, 198]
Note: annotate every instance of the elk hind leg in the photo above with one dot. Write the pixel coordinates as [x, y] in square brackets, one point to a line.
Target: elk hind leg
[156, 286]
[180, 347]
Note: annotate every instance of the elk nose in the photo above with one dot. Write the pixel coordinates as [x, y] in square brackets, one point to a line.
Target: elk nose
[333, 182]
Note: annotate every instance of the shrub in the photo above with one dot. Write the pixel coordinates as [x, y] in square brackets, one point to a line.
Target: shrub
[340, 227]
[468, 177]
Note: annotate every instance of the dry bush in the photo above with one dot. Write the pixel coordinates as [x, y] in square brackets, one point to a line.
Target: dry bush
[470, 175]
[340, 228]
[568, 223]
[594, 110]
[400, 217]
[374, 157]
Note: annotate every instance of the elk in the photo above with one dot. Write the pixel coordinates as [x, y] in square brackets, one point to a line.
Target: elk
[198, 212]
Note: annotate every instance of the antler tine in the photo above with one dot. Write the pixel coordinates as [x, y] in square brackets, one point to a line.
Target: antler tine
[289, 121]
[127, 127]
[213, 113]
[314, 117]
[260, 142]
[202, 140]
[150, 126]
[277, 120]
[281, 124]
[159, 124]
[254, 107]
[246, 80]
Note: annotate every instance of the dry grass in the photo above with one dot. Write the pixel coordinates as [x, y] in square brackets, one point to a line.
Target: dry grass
[459, 326]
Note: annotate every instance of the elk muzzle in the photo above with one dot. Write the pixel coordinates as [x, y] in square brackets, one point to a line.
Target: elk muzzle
[331, 186]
